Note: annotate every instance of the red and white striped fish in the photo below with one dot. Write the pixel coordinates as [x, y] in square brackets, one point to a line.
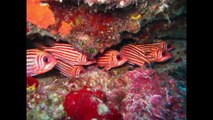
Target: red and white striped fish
[134, 55]
[68, 70]
[39, 62]
[66, 53]
[111, 59]
[155, 54]
[159, 43]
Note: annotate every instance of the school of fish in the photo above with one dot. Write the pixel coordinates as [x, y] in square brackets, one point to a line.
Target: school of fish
[70, 62]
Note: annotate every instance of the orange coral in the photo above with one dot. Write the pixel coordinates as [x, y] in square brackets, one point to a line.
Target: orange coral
[64, 29]
[38, 14]
[53, 31]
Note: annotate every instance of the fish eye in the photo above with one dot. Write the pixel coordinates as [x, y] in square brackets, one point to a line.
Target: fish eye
[82, 71]
[46, 59]
[163, 53]
[118, 57]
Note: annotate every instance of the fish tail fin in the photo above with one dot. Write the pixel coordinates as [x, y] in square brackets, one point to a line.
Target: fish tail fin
[91, 62]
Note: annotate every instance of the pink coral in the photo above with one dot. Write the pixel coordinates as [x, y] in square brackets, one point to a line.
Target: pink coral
[148, 96]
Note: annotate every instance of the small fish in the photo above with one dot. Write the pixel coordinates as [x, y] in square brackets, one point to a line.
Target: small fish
[111, 59]
[39, 62]
[68, 70]
[159, 43]
[66, 53]
[155, 54]
[134, 55]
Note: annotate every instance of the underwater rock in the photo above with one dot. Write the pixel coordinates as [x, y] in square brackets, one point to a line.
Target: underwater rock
[125, 92]
[137, 94]
[47, 101]
[92, 29]
[111, 3]
[163, 29]
[108, 3]
[87, 29]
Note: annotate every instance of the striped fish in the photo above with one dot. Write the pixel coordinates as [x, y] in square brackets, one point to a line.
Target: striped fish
[111, 59]
[159, 43]
[39, 62]
[66, 53]
[134, 55]
[68, 70]
[155, 54]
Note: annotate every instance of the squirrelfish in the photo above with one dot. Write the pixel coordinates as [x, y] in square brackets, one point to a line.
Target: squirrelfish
[155, 54]
[111, 59]
[69, 70]
[66, 53]
[134, 55]
[39, 62]
[159, 43]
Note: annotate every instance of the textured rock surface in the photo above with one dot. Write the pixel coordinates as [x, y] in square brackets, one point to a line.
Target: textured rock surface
[93, 29]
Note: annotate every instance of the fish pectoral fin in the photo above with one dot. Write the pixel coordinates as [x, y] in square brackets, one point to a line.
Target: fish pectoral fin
[107, 68]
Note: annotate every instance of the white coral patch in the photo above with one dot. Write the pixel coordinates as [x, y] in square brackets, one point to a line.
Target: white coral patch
[102, 1]
[102, 109]
[122, 3]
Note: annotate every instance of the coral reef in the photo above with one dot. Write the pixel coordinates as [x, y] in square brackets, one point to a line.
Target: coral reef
[161, 29]
[92, 29]
[46, 102]
[111, 3]
[138, 94]
[89, 30]
[108, 3]
[123, 92]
